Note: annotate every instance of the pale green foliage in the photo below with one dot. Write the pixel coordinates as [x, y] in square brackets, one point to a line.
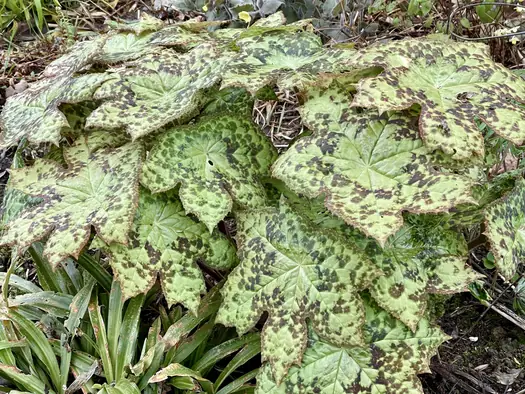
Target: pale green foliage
[165, 241]
[152, 94]
[34, 113]
[98, 189]
[217, 161]
[420, 259]
[387, 362]
[293, 272]
[454, 83]
[371, 167]
[180, 98]
[283, 58]
[505, 229]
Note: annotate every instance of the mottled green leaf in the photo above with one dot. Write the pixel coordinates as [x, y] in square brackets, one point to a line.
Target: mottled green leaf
[217, 161]
[235, 100]
[151, 95]
[167, 242]
[370, 167]
[286, 59]
[78, 56]
[454, 83]
[420, 259]
[388, 361]
[144, 24]
[505, 229]
[35, 114]
[98, 189]
[294, 273]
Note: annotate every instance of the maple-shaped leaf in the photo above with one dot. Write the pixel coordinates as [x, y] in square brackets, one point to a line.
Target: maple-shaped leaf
[99, 190]
[167, 242]
[370, 167]
[294, 272]
[454, 83]
[422, 258]
[287, 59]
[217, 161]
[152, 95]
[35, 114]
[505, 229]
[388, 362]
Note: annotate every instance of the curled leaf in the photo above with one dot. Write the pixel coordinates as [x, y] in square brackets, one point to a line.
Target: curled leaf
[387, 362]
[505, 229]
[35, 114]
[155, 93]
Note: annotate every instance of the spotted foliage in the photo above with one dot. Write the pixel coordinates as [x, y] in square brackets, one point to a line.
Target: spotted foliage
[422, 258]
[370, 167]
[34, 114]
[165, 241]
[217, 162]
[387, 362]
[294, 273]
[128, 41]
[283, 58]
[98, 189]
[152, 94]
[454, 83]
[505, 229]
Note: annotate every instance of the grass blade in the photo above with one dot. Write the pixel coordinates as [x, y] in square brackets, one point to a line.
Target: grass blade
[128, 336]
[53, 303]
[214, 355]
[96, 270]
[246, 354]
[20, 283]
[116, 304]
[239, 383]
[12, 344]
[39, 345]
[191, 343]
[79, 306]
[29, 382]
[100, 335]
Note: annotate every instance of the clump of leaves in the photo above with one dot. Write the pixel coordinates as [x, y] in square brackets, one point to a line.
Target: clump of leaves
[327, 253]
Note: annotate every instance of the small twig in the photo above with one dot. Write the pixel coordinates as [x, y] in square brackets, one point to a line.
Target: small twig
[450, 376]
